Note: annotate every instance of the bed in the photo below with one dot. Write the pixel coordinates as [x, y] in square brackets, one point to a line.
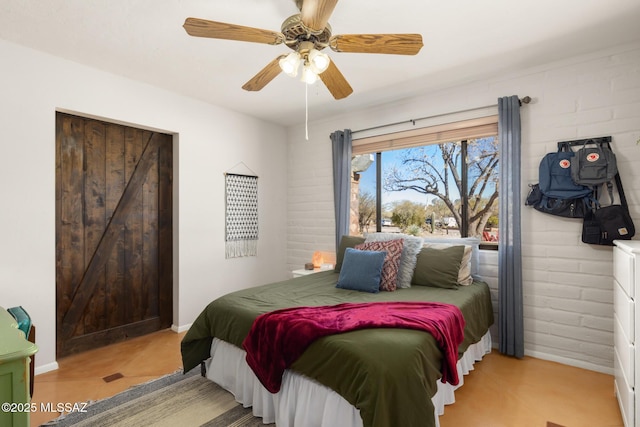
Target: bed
[368, 377]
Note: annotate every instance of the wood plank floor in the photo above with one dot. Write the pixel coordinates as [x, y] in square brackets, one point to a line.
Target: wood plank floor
[500, 392]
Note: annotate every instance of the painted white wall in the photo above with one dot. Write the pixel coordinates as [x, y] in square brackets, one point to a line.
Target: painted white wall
[567, 285]
[208, 141]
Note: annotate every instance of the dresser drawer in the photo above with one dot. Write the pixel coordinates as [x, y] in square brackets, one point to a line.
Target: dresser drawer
[623, 269]
[625, 350]
[625, 394]
[624, 309]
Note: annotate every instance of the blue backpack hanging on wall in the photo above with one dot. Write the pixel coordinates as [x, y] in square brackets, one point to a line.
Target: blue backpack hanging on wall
[556, 193]
[555, 176]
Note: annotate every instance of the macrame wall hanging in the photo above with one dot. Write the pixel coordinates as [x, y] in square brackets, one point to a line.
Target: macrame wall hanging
[241, 215]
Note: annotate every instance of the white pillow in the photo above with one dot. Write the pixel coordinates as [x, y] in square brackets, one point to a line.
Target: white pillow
[474, 242]
[412, 246]
[464, 274]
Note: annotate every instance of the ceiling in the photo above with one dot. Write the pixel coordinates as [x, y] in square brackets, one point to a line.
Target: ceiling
[463, 40]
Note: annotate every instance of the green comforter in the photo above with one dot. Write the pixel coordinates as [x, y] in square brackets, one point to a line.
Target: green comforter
[388, 374]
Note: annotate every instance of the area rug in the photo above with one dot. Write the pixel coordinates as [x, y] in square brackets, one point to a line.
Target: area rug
[174, 400]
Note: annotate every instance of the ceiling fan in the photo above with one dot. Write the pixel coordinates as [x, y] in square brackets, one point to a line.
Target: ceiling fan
[307, 34]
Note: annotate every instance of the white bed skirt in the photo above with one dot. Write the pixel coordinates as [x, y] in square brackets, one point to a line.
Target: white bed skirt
[304, 402]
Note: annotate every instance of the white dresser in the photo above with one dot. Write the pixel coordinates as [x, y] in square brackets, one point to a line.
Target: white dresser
[626, 328]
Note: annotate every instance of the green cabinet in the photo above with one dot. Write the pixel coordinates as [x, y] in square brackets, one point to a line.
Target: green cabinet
[15, 351]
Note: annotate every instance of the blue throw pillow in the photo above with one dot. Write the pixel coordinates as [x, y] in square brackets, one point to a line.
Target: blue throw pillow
[361, 270]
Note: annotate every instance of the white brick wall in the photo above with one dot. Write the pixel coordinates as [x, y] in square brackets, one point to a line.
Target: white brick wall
[567, 285]
[310, 214]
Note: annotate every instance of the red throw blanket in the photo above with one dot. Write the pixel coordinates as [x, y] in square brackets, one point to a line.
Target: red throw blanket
[278, 338]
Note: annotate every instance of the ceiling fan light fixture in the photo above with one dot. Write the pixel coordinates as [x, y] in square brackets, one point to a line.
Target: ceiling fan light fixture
[318, 60]
[308, 75]
[307, 33]
[290, 64]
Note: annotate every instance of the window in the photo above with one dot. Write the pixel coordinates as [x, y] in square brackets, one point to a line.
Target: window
[419, 182]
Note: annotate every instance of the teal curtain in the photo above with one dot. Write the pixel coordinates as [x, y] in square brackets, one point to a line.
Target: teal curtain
[510, 316]
[341, 147]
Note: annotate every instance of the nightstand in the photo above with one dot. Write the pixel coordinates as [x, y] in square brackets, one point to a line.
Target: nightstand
[303, 272]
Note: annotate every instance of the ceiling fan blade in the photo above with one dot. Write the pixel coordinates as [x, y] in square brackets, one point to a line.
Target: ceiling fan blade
[264, 76]
[315, 13]
[219, 30]
[335, 82]
[399, 44]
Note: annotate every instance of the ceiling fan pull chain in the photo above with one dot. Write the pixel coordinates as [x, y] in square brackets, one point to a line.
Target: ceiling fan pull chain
[306, 111]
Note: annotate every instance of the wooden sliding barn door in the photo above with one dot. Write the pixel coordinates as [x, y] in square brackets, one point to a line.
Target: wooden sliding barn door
[113, 233]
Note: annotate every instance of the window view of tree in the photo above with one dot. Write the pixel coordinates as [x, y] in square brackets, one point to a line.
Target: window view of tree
[366, 211]
[406, 214]
[447, 189]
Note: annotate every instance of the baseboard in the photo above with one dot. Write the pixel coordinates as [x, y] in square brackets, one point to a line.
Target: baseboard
[564, 360]
[571, 362]
[182, 328]
[45, 368]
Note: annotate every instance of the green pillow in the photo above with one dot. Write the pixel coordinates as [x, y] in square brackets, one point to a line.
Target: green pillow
[346, 242]
[438, 268]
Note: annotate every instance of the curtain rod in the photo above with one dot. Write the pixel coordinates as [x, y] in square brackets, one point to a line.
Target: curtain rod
[525, 100]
